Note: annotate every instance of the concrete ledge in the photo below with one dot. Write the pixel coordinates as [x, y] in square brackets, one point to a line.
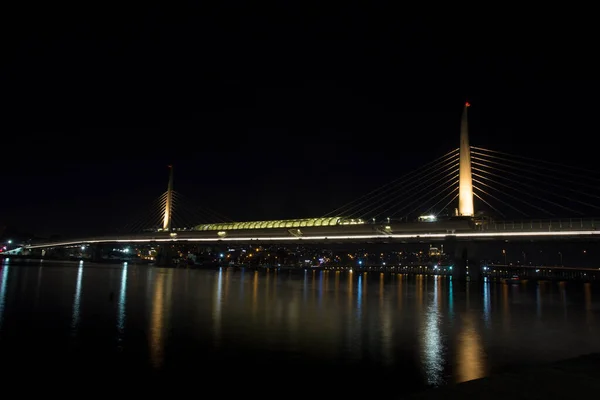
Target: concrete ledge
[563, 379]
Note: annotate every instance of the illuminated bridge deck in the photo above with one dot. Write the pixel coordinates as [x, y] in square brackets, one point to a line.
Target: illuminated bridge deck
[400, 232]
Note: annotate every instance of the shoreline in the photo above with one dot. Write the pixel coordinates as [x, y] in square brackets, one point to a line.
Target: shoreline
[567, 378]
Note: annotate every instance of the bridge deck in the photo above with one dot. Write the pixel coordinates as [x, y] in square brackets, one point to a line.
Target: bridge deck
[404, 232]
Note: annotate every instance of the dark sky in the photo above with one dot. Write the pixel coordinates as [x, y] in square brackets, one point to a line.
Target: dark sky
[269, 111]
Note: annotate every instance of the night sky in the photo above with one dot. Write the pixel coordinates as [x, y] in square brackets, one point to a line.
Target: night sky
[269, 112]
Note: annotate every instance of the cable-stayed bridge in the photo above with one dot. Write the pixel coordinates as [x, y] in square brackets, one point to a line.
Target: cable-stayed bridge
[469, 194]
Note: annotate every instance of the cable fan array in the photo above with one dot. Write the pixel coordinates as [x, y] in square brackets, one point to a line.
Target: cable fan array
[184, 215]
[428, 190]
[508, 186]
[518, 186]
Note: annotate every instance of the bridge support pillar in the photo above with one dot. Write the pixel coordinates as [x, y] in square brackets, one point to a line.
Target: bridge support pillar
[95, 252]
[165, 255]
[466, 261]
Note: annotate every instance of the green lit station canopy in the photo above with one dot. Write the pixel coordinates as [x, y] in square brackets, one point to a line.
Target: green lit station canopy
[282, 223]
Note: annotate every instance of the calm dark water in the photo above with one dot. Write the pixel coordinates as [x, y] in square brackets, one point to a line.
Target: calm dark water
[160, 324]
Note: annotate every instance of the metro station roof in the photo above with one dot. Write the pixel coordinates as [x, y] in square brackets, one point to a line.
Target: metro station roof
[281, 223]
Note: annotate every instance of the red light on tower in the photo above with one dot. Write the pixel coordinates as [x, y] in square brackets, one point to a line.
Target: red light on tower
[467, 104]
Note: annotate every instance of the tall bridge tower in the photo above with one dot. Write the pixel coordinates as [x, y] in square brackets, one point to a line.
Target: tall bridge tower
[169, 202]
[465, 179]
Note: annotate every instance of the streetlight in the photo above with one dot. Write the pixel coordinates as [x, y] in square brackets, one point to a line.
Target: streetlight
[561, 260]
[10, 242]
[504, 253]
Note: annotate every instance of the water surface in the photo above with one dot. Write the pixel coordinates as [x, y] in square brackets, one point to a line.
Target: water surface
[419, 331]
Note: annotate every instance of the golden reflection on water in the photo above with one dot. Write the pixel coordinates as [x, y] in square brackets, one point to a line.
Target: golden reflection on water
[505, 308]
[350, 294]
[381, 288]
[161, 302]
[293, 313]
[325, 285]
[419, 293]
[274, 283]
[314, 286]
[254, 294]
[359, 296]
[336, 287]
[587, 293]
[400, 282]
[226, 285]
[387, 329]
[562, 291]
[267, 288]
[37, 288]
[539, 292]
[467, 296]
[471, 361]
[156, 324]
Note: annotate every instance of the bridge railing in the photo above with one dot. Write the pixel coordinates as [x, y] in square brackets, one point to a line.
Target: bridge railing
[550, 225]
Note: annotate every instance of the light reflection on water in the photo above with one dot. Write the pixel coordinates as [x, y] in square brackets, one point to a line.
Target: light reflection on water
[470, 358]
[77, 301]
[160, 304]
[431, 337]
[422, 327]
[122, 303]
[3, 283]
[217, 303]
